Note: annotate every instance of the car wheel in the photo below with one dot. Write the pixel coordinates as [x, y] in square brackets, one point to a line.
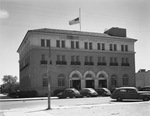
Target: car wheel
[119, 99]
[145, 98]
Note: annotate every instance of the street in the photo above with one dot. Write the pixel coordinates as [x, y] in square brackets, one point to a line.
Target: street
[103, 106]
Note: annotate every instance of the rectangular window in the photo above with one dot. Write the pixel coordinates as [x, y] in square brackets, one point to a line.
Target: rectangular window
[77, 59]
[61, 81]
[90, 59]
[72, 44]
[63, 57]
[58, 57]
[58, 43]
[86, 58]
[45, 82]
[99, 59]
[111, 48]
[122, 47]
[115, 47]
[77, 44]
[42, 42]
[48, 43]
[126, 48]
[103, 59]
[63, 43]
[125, 80]
[90, 46]
[43, 57]
[85, 45]
[72, 59]
[98, 46]
[103, 46]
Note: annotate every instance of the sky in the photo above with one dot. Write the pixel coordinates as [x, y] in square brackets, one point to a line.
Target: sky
[19, 16]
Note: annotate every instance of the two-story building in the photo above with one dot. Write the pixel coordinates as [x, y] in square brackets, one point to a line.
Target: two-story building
[77, 59]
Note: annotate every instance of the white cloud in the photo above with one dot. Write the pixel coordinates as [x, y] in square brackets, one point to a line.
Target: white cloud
[4, 14]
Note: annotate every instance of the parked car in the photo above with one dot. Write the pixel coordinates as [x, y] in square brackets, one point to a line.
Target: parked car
[145, 88]
[69, 92]
[103, 91]
[130, 93]
[88, 92]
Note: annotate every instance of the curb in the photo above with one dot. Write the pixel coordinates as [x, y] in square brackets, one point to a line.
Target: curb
[25, 99]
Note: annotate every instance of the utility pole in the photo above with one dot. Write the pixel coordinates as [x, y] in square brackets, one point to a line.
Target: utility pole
[49, 80]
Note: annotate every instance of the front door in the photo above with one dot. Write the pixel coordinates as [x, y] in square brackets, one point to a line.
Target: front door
[103, 83]
[76, 84]
[89, 83]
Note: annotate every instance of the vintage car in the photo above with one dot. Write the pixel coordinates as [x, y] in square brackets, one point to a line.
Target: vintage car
[130, 93]
[103, 91]
[69, 92]
[88, 92]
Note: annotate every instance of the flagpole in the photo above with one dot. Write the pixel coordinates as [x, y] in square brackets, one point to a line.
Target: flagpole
[80, 17]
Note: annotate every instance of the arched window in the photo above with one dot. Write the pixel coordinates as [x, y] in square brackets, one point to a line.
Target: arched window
[61, 80]
[125, 80]
[114, 80]
[44, 80]
[75, 76]
[88, 76]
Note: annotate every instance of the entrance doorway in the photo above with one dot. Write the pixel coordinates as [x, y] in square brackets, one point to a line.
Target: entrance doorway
[103, 83]
[89, 83]
[76, 84]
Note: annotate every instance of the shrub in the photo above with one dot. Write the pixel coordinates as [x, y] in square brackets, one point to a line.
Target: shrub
[24, 94]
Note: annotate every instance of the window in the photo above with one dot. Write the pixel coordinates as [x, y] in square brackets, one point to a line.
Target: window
[85, 45]
[126, 48]
[114, 80]
[77, 44]
[113, 61]
[75, 60]
[63, 43]
[101, 61]
[89, 60]
[122, 47]
[125, 61]
[42, 42]
[44, 80]
[98, 46]
[74, 44]
[61, 80]
[111, 47]
[103, 46]
[61, 60]
[48, 43]
[125, 80]
[58, 43]
[90, 46]
[58, 57]
[115, 47]
[63, 57]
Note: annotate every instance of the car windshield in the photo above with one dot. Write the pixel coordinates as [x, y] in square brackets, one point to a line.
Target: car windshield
[91, 90]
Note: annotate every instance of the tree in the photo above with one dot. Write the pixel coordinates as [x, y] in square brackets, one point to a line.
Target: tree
[10, 84]
[9, 79]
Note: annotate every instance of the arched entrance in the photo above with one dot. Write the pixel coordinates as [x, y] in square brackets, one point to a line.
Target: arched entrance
[75, 79]
[102, 79]
[89, 79]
